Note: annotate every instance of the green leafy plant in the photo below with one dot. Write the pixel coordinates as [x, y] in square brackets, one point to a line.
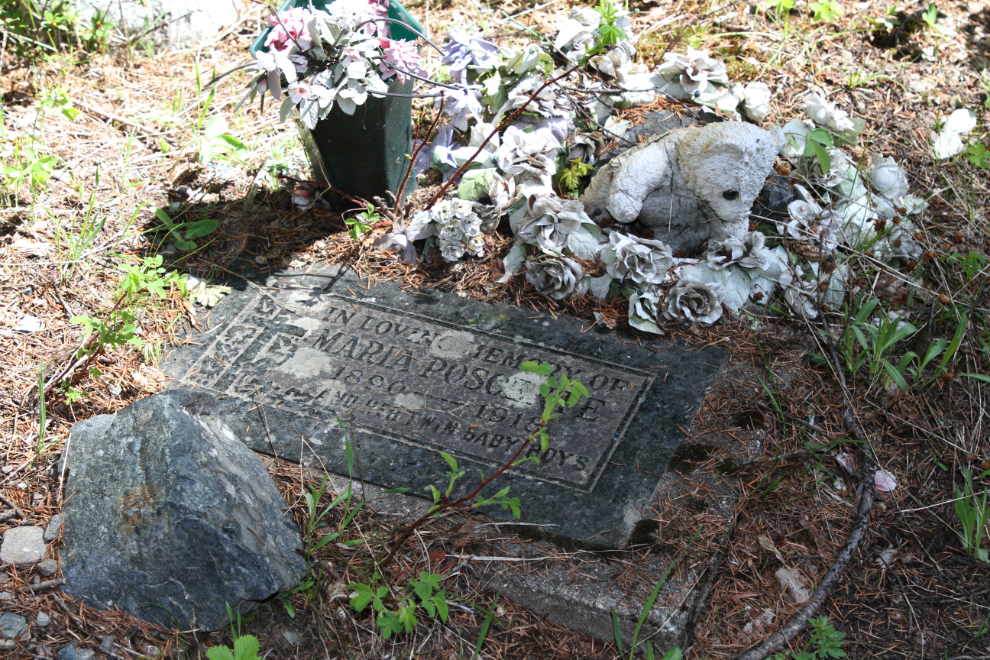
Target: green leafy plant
[217, 141]
[246, 647]
[672, 654]
[781, 7]
[608, 33]
[570, 177]
[184, 233]
[889, 20]
[29, 169]
[867, 345]
[817, 144]
[397, 612]
[825, 643]
[977, 155]
[95, 35]
[362, 223]
[914, 364]
[557, 392]
[140, 283]
[57, 100]
[825, 10]
[930, 15]
[973, 514]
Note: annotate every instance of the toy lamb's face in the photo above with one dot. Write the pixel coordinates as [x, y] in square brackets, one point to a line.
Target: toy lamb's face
[725, 165]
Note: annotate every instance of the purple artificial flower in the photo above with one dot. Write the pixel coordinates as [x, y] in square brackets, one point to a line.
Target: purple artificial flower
[460, 105]
[463, 51]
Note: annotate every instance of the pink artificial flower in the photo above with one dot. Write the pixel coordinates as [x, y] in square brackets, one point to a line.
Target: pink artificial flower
[291, 30]
[299, 91]
[402, 55]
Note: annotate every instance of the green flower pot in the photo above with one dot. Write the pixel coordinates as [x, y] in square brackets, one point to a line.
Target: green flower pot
[367, 153]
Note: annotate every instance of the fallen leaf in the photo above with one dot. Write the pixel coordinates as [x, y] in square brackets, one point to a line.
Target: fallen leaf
[792, 584]
[767, 544]
[885, 481]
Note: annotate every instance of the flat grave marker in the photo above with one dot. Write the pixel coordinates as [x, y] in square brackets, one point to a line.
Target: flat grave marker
[315, 355]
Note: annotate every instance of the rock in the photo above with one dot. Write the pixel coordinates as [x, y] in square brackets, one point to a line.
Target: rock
[185, 22]
[47, 567]
[5, 595]
[772, 203]
[12, 625]
[70, 652]
[53, 528]
[166, 506]
[22, 546]
[106, 644]
[42, 619]
[291, 636]
[688, 184]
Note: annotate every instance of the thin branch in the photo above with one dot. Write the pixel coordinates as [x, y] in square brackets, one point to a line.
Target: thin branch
[412, 159]
[782, 637]
[433, 512]
[505, 122]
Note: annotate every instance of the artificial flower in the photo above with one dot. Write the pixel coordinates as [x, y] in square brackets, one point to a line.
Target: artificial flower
[640, 260]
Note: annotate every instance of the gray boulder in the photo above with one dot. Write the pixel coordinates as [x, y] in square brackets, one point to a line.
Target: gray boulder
[184, 23]
[170, 517]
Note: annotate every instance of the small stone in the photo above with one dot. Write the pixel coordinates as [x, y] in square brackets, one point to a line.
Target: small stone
[42, 619]
[53, 528]
[12, 625]
[22, 486]
[151, 650]
[70, 652]
[106, 644]
[22, 545]
[5, 595]
[291, 636]
[7, 469]
[47, 567]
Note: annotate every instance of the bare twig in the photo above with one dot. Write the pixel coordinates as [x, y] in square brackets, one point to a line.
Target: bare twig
[779, 639]
[505, 122]
[412, 160]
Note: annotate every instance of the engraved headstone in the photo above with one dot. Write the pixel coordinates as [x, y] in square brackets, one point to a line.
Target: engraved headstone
[311, 356]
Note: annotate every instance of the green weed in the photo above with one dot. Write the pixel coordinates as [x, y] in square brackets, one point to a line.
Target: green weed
[825, 643]
[973, 514]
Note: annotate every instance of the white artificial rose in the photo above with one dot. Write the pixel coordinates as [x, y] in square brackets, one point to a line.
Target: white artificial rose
[458, 229]
[888, 178]
[640, 260]
[825, 114]
[756, 96]
[695, 301]
[549, 221]
[644, 309]
[553, 275]
[748, 252]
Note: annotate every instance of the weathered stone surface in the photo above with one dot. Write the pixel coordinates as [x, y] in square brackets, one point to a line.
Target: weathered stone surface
[419, 373]
[12, 625]
[47, 567]
[53, 528]
[166, 506]
[22, 545]
[184, 22]
[42, 619]
[70, 652]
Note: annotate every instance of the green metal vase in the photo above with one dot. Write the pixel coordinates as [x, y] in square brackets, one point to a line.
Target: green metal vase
[367, 153]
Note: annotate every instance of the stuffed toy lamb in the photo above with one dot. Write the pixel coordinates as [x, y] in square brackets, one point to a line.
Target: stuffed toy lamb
[689, 184]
